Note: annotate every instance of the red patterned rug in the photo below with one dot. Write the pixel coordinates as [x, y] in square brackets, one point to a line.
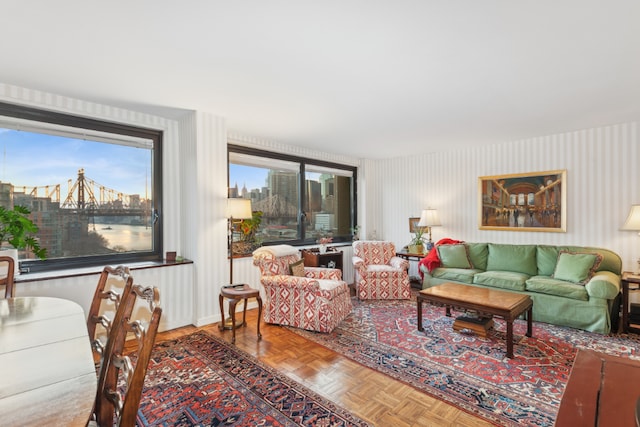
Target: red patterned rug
[463, 369]
[201, 380]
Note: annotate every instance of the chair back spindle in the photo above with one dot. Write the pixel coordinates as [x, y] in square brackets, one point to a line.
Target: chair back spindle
[113, 284]
[8, 281]
[122, 378]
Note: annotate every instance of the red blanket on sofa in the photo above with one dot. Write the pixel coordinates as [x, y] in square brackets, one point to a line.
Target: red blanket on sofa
[432, 261]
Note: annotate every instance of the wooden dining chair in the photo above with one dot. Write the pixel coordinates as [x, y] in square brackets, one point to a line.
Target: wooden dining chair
[7, 281]
[113, 284]
[122, 376]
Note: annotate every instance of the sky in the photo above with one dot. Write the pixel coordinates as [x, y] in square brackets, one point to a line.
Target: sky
[32, 159]
[250, 176]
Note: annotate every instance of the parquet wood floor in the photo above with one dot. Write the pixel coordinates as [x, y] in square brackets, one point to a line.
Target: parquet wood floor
[366, 393]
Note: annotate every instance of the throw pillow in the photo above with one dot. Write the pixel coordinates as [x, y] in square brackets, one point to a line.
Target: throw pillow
[576, 267]
[454, 256]
[297, 268]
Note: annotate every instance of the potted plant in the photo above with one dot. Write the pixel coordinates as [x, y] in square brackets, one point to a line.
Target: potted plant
[248, 234]
[18, 231]
[417, 243]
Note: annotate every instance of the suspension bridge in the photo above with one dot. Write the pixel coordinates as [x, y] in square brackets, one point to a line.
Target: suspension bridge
[86, 195]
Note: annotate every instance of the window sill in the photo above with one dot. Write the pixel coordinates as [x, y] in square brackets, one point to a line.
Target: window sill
[76, 272]
[302, 247]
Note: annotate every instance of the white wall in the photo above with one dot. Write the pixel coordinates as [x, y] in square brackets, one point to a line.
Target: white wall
[602, 184]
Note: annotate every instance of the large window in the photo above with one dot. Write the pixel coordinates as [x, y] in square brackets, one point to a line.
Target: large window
[93, 187]
[300, 199]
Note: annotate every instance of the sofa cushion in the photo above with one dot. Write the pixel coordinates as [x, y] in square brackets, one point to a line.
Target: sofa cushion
[516, 258]
[576, 267]
[478, 254]
[502, 279]
[454, 256]
[546, 259]
[463, 275]
[550, 286]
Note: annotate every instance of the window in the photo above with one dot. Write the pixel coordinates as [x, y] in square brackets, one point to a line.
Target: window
[300, 199]
[93, 187]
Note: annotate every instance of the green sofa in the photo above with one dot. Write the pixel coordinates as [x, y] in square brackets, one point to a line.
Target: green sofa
[570, 285]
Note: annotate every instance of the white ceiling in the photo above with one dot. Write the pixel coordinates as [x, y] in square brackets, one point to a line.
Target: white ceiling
[374, 79]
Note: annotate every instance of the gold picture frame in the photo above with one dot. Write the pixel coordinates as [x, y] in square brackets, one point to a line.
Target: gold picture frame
[535, 201]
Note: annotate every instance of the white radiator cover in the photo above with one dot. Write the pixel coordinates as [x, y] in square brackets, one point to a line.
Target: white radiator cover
[174, 282]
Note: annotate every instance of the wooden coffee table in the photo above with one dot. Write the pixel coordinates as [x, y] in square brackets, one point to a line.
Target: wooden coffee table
[485, 301]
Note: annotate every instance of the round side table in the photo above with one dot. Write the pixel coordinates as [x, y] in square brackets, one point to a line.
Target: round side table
[235, 293]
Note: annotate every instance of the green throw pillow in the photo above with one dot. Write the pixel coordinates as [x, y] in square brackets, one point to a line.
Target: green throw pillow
[454, 256]
[297, 268]
[576, 267]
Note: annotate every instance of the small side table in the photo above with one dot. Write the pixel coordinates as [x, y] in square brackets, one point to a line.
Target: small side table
[628, 278]
[330, 259]
[237, 293]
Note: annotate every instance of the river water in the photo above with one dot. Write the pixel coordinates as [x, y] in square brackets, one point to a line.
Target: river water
[127, 237]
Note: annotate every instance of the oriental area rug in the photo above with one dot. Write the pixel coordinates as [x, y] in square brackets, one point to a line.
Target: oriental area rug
[201, 380]
[465, 370]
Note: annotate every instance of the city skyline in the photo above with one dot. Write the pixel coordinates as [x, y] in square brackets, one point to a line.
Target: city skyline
[255, 178]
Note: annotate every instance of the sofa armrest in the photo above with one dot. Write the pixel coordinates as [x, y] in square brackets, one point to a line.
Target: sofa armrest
[397, 262]
[604, 284]
[330, 289]
[425, 271]
[323, 273]
[293, 282]
[357, 262]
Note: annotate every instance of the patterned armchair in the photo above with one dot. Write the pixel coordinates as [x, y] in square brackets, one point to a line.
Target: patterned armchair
[319, 301]
[380, 274]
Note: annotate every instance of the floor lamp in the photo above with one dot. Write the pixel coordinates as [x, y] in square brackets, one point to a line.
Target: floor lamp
[237, 209]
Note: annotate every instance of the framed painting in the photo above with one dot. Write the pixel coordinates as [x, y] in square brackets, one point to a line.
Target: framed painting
[413, 224]
[523, 202]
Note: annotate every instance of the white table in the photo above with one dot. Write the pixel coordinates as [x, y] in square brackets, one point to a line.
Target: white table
[47, 374]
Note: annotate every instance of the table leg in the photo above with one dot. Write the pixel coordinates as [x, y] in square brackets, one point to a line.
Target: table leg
[420, 328]
[530, 322]
[510, 338]
[625, 307]
[221, 300]
[259, 314]
[244, 313]
[232, 315]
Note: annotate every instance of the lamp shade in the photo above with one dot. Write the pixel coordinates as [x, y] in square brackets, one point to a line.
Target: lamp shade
[429, 218]
[633, 220]
[239, 208]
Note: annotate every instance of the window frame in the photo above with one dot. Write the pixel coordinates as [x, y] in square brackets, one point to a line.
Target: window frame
[303, 240]
[9, 110]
